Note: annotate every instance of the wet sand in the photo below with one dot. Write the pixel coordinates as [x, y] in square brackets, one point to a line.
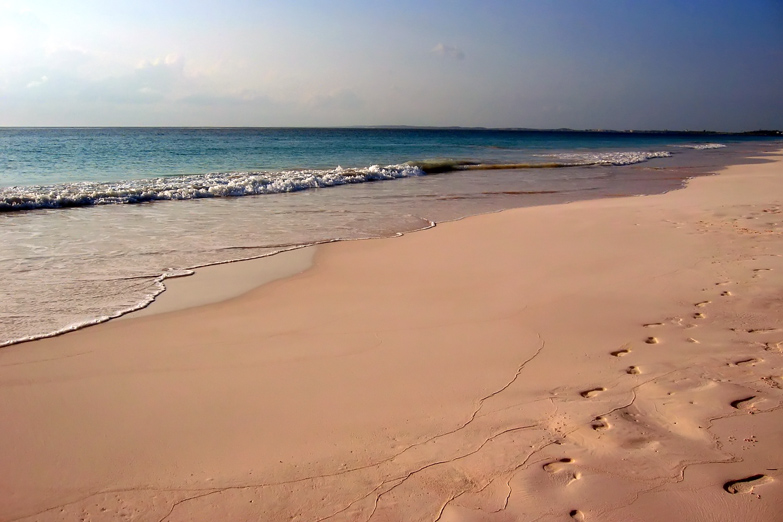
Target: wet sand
[616, 359]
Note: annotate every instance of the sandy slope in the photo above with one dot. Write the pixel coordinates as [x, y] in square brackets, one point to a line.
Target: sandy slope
[604, 360]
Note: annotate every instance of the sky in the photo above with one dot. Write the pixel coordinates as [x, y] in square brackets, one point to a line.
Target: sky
[584, 64]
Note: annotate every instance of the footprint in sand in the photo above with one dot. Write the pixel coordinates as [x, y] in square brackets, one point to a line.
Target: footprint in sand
[692, 340]
[699, 315]
[652, 325]
[702, 304]
[620, 353]
[577, 515]
[561, 465]
[633, 370]
[558, 465]
[776, 381]
[747, 484]
[743, 404]
[651, 340]
[725, 294]
[774, 346]
[723, 283]
[589, 394]
[600, 424]
[752, 361]
[762, 330]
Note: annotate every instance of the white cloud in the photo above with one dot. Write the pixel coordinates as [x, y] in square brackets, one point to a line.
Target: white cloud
[38, 83]
[169, 60]
[448, 51]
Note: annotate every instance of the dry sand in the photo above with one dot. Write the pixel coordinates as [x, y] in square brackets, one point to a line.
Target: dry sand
[603, 360]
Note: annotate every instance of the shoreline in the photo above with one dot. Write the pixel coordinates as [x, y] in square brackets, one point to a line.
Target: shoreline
[84, 316]
[542, 361]
[271, 267]
[223, 281]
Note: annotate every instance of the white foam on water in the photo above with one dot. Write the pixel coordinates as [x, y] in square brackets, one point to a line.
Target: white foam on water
[212, 185]
[702, 146]
[70, 269]
[158, 287]
[85, 285]
[616, 158]
[237, 184]
[146, 300]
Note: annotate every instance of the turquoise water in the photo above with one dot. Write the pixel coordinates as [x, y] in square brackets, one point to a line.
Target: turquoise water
[92, 221]
[46, 156]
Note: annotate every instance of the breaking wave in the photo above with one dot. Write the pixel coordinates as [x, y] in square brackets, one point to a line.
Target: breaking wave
[583, 159]
[212, 185]
[236, 184]
[565, 159]
[703, 146]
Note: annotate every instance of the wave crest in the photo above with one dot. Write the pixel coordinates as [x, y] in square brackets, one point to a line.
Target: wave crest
[212, 185]
[703, 146]
[237, 184]
[583, 159]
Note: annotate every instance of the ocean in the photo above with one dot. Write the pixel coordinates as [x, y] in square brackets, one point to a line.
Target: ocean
[93, 221]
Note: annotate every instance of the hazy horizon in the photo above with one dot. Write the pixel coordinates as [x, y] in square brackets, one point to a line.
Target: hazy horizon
[392, 127]
[646, 65]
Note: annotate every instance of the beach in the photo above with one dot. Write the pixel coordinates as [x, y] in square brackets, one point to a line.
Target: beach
[611, 359]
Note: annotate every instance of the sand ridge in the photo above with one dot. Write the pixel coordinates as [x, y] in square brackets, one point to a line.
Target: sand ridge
[503, 368]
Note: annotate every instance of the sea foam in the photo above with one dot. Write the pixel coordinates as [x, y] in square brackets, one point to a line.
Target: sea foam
[702, 146]
[236, 184]
[606, 158]
[212, 185]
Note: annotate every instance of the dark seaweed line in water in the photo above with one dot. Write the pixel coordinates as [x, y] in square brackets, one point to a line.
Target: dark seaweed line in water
[503, 166]
[238, 184]
[438, 167]
[522, 192]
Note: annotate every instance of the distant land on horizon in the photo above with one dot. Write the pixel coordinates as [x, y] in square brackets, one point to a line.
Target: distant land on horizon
[758, 132]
